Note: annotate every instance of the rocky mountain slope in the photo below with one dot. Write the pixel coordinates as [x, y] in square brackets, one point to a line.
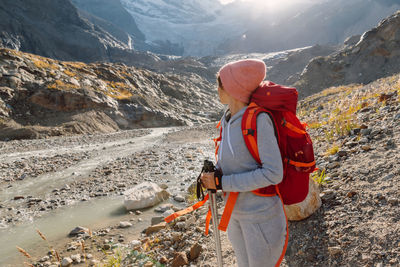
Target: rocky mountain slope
[41, 97]
[376, 55]
[53, 29]
[113, 12]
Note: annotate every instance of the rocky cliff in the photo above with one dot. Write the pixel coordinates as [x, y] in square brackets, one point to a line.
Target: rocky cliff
[53, 29]
[43, 97]
[376, 55]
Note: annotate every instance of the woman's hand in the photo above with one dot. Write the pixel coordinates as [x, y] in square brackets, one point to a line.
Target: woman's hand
[208, 180]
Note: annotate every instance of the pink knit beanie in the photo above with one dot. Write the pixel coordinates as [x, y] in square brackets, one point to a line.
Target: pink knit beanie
[241, 78]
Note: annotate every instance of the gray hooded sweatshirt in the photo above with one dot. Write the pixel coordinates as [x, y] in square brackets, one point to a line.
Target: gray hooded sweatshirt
[241, 172]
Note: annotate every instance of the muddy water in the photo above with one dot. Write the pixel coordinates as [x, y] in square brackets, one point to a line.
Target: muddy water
[56, 225]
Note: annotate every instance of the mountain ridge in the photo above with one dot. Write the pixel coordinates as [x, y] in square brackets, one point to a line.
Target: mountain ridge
[376, 55]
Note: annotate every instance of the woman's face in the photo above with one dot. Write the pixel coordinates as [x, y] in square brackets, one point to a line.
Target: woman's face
[223, 96]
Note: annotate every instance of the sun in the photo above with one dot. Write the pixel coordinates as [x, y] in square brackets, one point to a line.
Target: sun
[271, 4]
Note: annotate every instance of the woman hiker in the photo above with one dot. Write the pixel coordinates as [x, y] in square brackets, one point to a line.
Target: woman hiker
[257, 227]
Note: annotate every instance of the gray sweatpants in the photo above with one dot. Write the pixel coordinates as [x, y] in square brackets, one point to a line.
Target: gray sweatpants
[257, 244]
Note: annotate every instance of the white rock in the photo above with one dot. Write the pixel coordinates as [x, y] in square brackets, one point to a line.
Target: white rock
[135, 243]
[124, 224]
[308, 206]
[74, 82]
[66, 262]
[76, 258]
[45, 258]
[144, 195]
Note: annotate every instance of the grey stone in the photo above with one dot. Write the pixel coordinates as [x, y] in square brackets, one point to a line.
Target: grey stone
[333, 165]
[366, 131]
[78, 230]
[76, 258]
[167, 213]
[388, 177]
[181, 225]
[156, 220]
[66, 262]
[135, 243]
[164, 207]
[125, 224]
[179, 198]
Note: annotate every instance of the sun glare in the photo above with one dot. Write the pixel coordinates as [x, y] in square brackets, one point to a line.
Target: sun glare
[272, 4]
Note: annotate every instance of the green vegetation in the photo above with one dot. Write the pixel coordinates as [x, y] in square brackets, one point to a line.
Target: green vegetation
[69, 73]
[60, 85]
[76, 65]
[114, 260]
[141, 259]
[333, 150]
[320, 177]
[43, 63]
[118, 90]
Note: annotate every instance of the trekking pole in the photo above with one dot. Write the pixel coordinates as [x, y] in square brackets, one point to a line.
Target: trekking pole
[209, 167]
[214, 214]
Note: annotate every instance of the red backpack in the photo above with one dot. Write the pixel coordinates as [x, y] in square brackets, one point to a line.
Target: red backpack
[295, 144]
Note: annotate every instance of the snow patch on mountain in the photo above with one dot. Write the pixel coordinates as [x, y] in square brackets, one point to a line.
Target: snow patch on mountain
[198, 25]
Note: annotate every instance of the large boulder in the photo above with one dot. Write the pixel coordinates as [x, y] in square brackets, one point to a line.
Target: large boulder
[308, 206]
[144, 195]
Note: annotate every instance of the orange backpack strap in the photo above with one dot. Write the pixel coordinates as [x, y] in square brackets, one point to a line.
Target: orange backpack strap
[300, 164]
[226, 215]
[249, 128]
[217, 140]
[248, 131]
[175, 215]
[292, 127]
[287, 230]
